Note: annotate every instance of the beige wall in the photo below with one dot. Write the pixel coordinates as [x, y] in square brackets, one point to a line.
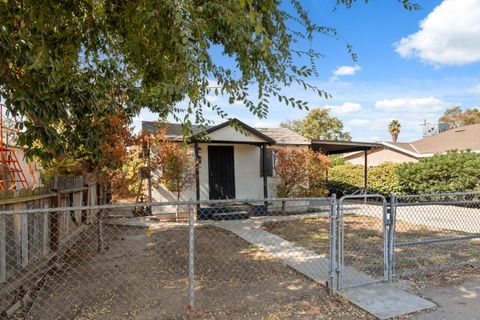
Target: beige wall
[380, 156]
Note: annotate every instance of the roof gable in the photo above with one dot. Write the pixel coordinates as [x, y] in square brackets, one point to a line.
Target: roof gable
[237, 131]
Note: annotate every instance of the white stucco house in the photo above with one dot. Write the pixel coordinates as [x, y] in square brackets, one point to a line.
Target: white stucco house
[233, 164]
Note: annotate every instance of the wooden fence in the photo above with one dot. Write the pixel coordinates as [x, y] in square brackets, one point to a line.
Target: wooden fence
[29, 241]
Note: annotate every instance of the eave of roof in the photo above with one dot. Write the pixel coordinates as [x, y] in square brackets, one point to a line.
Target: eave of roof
[234, 122]
[340, 147]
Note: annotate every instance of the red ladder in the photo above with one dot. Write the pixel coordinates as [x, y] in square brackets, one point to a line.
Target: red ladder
[11, 173]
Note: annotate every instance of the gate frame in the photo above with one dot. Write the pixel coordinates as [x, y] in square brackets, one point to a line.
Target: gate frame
[337, 240]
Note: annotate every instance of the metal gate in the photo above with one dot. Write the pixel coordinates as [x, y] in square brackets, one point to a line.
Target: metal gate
[361, 234]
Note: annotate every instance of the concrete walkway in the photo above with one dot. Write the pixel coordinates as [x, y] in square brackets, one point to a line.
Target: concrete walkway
[382, 300]
[459, 302]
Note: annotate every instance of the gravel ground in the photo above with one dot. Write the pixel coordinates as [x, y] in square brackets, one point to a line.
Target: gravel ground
[144, 275]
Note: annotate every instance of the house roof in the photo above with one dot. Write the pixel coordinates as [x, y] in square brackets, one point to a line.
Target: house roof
[340, 147]
[460, 138]
[282, 136]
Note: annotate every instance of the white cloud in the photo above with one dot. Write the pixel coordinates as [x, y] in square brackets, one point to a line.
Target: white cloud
[345, 71]
[449, 35]
[475, 90]
[357, 123]
[412, 105]
[347, 107]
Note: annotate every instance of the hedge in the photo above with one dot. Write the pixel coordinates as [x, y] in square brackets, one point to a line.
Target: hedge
[442, 173]
[384, 178]
[348, 178]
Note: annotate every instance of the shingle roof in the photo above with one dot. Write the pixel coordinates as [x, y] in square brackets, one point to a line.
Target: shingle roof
[461, 138]
[284, 136]
[281, 136]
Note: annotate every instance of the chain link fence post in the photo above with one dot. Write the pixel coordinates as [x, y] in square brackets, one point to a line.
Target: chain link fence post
[391, 237]
[191, 260]
[333, 285]
[386, 241]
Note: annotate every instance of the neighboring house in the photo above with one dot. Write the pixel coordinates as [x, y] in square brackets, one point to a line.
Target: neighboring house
[232, 164]
[461, 138]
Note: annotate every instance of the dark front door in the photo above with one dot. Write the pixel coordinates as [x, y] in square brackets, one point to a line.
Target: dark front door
[221, 173]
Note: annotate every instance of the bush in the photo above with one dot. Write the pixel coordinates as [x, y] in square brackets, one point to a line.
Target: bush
[442, 173]
[348, 178]
[300, 173]
[345, 179]
[348, 174]
[384, 179]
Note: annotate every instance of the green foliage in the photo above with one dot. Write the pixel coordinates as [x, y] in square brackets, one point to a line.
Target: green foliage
[64, 65]
[455, 117]
[451, 172]
[319, 124]
[67, 66]
[348, 178]
[348, 174]
[336, 160]
[384, 179]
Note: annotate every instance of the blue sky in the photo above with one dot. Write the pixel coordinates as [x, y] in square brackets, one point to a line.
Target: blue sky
[412, 66]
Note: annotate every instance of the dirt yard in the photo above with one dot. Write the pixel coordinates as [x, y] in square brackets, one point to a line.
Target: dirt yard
[364, 244]
[143, 275]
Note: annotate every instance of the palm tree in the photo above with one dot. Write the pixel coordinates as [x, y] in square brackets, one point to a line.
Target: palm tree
[394, 128]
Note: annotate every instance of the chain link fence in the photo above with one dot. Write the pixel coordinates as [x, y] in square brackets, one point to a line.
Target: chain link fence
[363, 240]
[435, 232]
[221, 259]
[167, 261]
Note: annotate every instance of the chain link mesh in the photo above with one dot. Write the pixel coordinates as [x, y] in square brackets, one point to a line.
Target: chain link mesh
[436, 232]
[362, 240]
[250, 258]
[133, 262]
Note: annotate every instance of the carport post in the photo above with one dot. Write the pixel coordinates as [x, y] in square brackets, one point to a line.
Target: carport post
[191, 261]
[365, 172]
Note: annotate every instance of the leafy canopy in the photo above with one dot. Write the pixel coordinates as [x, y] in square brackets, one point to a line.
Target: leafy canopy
[319, 124]
[67, 66]
[455, 117]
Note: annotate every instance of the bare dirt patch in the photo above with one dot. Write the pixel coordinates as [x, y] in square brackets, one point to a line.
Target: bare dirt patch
[146, 277]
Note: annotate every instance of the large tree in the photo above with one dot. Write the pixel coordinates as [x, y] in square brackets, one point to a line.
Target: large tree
[67, 66]
[456, 117]
[319, 124]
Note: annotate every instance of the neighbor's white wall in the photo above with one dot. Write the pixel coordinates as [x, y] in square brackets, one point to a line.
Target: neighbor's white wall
[378, 157]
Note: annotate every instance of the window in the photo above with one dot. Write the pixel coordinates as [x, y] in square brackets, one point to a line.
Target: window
[268, 162]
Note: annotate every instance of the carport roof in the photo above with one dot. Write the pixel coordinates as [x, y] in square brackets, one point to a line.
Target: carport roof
[339, 147]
